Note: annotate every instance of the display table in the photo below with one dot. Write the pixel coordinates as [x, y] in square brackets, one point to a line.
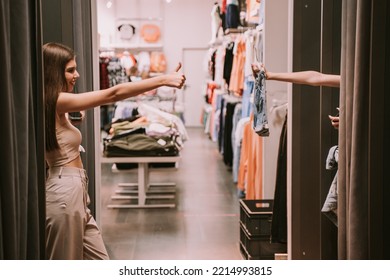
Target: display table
[144, 191]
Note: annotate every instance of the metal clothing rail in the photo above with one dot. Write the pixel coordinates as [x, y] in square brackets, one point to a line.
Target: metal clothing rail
[144, 191]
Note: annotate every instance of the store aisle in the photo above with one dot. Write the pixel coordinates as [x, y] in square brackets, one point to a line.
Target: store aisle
[203, 226]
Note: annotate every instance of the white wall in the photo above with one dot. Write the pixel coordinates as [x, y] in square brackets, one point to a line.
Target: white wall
[105, 22]
[187, 24]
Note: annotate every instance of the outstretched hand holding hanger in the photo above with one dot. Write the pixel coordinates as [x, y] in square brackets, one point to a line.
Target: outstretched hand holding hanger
[311, 78]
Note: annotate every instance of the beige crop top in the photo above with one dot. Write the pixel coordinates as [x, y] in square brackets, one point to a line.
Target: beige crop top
[69, 140]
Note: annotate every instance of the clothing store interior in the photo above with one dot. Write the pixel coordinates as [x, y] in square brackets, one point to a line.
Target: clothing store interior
[230, 167]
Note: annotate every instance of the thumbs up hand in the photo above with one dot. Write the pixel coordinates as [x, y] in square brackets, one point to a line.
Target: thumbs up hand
[176, 79]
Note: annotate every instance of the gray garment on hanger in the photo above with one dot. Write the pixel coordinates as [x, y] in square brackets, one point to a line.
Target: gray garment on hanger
[333, 158]
[260, 118]
[330, 205]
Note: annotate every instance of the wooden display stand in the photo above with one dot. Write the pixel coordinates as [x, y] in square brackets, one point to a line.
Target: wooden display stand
[144, 191]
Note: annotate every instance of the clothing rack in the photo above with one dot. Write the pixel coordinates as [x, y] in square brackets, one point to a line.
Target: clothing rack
[240, 29]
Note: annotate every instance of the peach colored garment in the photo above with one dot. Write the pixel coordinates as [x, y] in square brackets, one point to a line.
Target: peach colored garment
[258, 174]
[250, 172]
[236, 83]
[211, 99]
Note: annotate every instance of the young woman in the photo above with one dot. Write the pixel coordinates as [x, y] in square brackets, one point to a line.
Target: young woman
[312, 78]
[71, 231]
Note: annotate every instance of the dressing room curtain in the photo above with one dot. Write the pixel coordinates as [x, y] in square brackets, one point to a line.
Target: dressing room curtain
[21, 141]
[362, 179]
[82, 44]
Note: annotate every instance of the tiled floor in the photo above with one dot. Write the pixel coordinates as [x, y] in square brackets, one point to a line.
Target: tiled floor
[204, 225]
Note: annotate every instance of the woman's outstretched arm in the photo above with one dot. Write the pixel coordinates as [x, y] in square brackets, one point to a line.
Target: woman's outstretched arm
[82, 101]
[312, 78]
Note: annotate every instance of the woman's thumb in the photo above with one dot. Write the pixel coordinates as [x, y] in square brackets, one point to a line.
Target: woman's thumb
[178, 67]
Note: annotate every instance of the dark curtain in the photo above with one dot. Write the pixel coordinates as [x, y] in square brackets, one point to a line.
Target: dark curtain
[70, 22]
[22, 178]
[279, 211]
[362, 178]
[82, 44]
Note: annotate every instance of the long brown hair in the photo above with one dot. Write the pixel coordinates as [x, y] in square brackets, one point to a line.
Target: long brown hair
[55, 58]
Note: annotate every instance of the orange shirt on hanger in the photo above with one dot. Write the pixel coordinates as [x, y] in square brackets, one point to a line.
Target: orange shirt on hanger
[250, 173]
[236, 84]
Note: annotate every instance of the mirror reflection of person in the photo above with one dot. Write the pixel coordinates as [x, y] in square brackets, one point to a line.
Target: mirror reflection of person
[71, 230]
[312, 78]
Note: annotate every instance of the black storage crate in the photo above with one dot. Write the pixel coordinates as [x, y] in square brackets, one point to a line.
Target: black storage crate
[256, 216]
[259, 248]
[255, 230]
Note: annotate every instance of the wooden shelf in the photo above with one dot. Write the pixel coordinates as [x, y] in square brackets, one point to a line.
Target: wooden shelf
[133, 47]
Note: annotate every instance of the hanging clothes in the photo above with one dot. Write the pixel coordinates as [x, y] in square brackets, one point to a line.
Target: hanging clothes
[216, 21]
[258, 48]
[279, 213]
[247, 106]
[221, 124]
[223, 14]
[219, 65]
[252, 11]
[215, 114]
[228, 128]
[236, 84]
[228, 63]
[232, 14]
[211, 63]
[330, 205]
[236, 119]
[103, 72]
[250, 172]
[261, 13]
[237, 145]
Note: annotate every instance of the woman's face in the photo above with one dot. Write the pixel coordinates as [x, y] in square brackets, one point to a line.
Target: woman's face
[71, 74]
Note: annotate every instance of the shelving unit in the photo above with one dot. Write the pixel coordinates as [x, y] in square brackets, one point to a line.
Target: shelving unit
[144, 191]
[136, 42]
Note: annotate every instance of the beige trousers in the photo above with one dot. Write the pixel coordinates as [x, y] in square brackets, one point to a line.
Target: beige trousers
[71, 231]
